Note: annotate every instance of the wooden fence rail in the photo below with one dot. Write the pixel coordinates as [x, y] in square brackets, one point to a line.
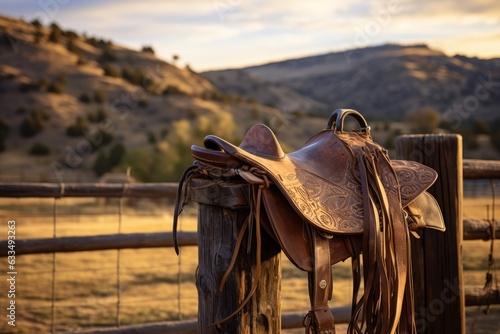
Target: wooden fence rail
[472, 169]
[474, 229]
[56, 190]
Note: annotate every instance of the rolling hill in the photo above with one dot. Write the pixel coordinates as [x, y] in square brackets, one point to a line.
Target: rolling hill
[68, 100]
[382, 81]
[74, 106]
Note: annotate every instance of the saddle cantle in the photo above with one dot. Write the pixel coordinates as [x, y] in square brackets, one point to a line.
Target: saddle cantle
[337, 197]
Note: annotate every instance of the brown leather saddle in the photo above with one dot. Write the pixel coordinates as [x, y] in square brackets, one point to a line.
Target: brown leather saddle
[339, 196]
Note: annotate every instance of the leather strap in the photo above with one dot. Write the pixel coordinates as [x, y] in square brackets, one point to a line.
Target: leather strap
[385, 246]
[320, 319]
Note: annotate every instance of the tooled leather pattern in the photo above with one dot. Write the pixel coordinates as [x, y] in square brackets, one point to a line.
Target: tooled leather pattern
[330, 206]
[410, 178]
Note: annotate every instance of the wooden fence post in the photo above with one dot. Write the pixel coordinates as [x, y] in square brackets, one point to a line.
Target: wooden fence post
[437, 256]
[222, 211]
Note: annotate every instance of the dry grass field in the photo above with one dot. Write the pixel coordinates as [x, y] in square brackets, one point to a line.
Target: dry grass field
[155, 284]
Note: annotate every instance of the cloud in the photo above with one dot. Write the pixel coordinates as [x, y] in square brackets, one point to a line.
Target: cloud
[220, 33]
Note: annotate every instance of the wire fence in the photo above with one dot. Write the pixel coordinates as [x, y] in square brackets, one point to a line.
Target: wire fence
[61, 292]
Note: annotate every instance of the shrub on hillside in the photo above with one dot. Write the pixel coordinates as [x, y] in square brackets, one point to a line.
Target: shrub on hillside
[4, 132]
[55, 33]
[33, 123]
[495, 140]
[39, 149]
[173, 90]
[110, 70]
[38, 35]
[82, 61]
[5, 39]
[97, 115]
[85, 98]
[151, 137]
[21, 110]
[108, 55]
[99, 96]
[36, 23]
[71, 47]
[105, 163]
[101, 164]
[76, 129]
[107, 136]
[147, 165]
[28, 87]
[116, 154]
[55, 87]
[143, 103]
[135, 76]
[148, 49]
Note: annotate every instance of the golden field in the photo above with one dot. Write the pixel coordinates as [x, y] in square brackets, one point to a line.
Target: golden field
[151, 280]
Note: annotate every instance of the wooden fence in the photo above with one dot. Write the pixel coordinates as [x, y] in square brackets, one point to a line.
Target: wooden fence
[472, 230]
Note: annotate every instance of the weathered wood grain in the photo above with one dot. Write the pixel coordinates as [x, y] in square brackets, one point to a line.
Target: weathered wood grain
[436, 256]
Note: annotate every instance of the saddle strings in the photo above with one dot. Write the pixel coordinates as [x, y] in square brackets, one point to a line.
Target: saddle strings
[377, 310]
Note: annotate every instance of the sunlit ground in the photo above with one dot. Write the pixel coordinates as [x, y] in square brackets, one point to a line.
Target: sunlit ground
[152, 280]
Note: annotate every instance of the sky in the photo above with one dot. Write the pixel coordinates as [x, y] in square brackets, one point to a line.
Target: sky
[217, 34]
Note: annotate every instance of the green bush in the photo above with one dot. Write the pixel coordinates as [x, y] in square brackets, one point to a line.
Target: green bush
[105, 163]
[39, 149]
[147, 165]
[77, 129]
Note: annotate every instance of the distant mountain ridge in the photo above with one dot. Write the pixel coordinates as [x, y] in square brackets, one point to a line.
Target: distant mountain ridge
[383, 81]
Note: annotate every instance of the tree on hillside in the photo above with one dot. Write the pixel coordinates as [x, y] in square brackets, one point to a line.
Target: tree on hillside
[55, 33]
[148, 49]
[423, 120]
[175, 58]
[38, 35]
